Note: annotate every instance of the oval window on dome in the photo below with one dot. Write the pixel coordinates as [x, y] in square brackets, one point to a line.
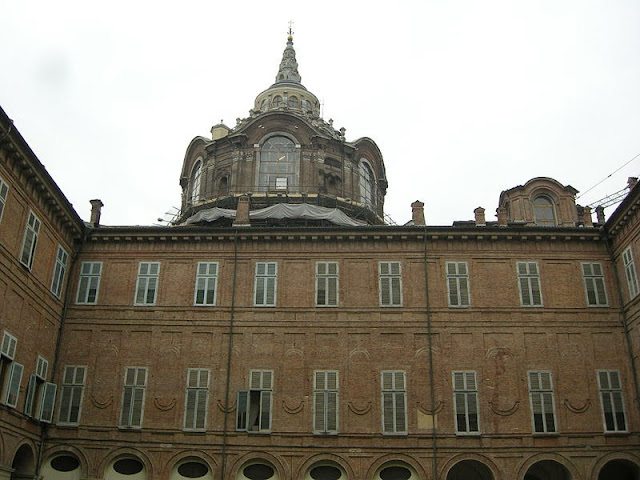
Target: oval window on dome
[193, 469]
[258, 471]
[395, 473]
[128, 466]
[65, 463]
[325, 472]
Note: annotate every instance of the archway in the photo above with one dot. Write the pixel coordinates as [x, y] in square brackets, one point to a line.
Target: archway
[619, 469]
[24, 465]
[547, 470]
[470, 470]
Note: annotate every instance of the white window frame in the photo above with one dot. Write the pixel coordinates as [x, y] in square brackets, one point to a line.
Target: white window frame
[89, 283]
[206, 286]
[630, 272]
[196, 401]
[594, 286]
[326, 416]
[542, 402]
[147, 283]
[458, 284]
[529, 283]
[612, 399]
[10, 371]
[254, 407]
[133, 391]
[47, 402]
[59, 271]
[73, 382]
[327, 284]
[394, 402]
[465, 402]
[9, 345]
[42, 367]
[41, 395]
[266, 284]
[30, 240]
[390, 284]
[4, 193]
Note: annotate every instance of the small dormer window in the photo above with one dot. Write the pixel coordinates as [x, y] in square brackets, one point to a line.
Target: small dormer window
[543, 211]
[195, 182]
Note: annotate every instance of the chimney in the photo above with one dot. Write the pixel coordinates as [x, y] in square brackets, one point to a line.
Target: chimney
[242, 212]
[587, 221]
[96, 209]
[600, 214]
[417, 213]
[480, 221]
[502, 216]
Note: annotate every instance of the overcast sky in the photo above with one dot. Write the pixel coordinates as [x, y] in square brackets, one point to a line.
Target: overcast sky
[464, 98]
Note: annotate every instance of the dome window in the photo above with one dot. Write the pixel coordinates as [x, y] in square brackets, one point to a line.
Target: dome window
[278, 165]
[543, 211]
[367, 184]
[277, 100]
[293, 102]
[196, 174]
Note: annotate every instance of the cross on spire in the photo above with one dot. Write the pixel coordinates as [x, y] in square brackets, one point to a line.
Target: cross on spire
[290, 28]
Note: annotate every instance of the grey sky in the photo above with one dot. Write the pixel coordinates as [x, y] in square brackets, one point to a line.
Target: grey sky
[464, 98]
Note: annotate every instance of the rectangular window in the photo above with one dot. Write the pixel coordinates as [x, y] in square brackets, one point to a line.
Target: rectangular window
[465, 401]
[147, 284]
[135, 382]
[42, 367]
[9, 343]
[394, 403]
[630, 272]
[253, 411]
[30, 240]
[542, 402]
[326, 284]
[325, 402]
[206, 283]
[266, 284]
[458, 284]
[89, 283]
[196, 400]
[529, 282]
[59, 271]
[594, 284]
[4, 191]
[72, 390]
[48, 400]
[10, 371]
[41, 395]
[612, 402]
[390, 279]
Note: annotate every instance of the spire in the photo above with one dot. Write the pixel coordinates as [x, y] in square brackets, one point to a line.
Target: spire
[288, 71]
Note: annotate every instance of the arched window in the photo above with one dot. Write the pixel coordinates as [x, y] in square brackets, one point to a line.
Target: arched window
[277, 100]
[278, 165]
[196, 174]
[293, 102]
[367, 184]
[264, 105]
[543, 212]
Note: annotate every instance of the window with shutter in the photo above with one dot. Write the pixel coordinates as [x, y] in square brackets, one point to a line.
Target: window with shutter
[59, 271]
[10, 371]
[390, 284]
[47, 402]
[465, 401]
[30, 240]
[542, 402]
[630, 272]
[89, 283]
[613, 411]
[147, 284]
[4, 191]
[253, 411]
[325, 402]
[326, 284]
[394, 402]
[12, 389]
[9, 343]
[265, 284]
[594, 284]
[206, 283]
[133, 397]
[529, 283]
[458, 284]
[197, 399]
[73, 381]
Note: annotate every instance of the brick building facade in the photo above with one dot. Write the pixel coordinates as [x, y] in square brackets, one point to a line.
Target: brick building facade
[278, 329]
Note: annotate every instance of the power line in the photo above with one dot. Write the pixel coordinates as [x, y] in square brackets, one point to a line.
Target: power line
[608, 176]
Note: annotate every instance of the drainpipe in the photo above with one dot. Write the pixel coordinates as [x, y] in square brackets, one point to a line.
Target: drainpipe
[223, 466]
